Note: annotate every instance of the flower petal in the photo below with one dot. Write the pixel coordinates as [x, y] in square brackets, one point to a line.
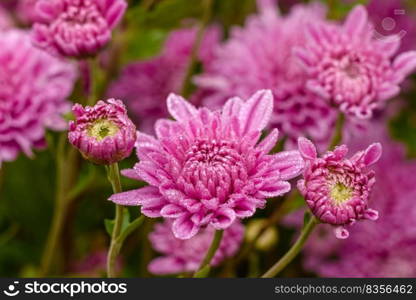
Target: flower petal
[307, 149]
[356, 21]
[179, 108]
[256, 112]
[184, 228]
[172, 211]
[341, 232]
[372, 154]
[289, 163]
[165, 265]
[223, 218]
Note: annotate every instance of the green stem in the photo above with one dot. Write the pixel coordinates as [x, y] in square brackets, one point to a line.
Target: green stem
[66, 170]
[186, 86]
[339, 126]
[294, 251]
[114, 178]
[92, 67]
[211, 251]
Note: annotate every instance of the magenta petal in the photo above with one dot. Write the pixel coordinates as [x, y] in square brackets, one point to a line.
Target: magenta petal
[172, 211]
[289, 163]
[371, 214]
[341, 232]
[179, 108]
[115, 13]
[372, 154]
[183, 228]
[132, 198]
[307, 149]
[268, 143]
[356, 21]
[244, 207]
[223, 218]
[256, 112]
[165, 265]
[274, 189]
[232, 108]
[405, 63]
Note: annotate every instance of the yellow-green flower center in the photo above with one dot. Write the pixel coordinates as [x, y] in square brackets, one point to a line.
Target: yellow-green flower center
[102, 128]
[340, 193]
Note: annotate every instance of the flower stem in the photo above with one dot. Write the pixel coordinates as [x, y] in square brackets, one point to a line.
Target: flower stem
[211, 251]
[93, 85]
[339, 126]
[66, 173]
[294, 251]
[114, 178]
[186, 85]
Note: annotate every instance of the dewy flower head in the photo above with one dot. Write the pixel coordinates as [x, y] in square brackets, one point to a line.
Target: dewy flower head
[104, 134]
[260, 56]
[33, 91]
[207, 167]
[352, 69]
[76, 28]
[186, 255]
[337, 189]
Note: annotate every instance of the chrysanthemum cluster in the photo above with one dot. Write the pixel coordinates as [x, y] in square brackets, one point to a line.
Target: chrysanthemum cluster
[186, 255]
[76, 28]
[33, 91]
[207, 167]
[260, 55]
[144, 85]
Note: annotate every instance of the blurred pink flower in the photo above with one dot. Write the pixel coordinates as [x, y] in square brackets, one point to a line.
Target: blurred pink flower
[94, 265]
[26, 11]
[352, 69]
[186, 255]
[394, 17]
[207, 167]
[144, 85]
[103, 133]
[33, 90]
[337, 189]
[385, 248]
[260, 56]
[5, 20]
[76, 28]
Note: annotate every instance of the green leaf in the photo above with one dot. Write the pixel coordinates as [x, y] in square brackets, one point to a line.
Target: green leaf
[109, 224]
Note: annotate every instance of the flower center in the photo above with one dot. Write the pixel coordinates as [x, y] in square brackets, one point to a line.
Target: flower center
[215, 165]
[340, 193]
[102, 128]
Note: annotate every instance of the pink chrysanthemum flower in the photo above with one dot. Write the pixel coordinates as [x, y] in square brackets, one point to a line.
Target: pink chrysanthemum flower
[207, 167]
[76, 28]
[337, 189]
[186, 255]
[260, 56]
[352, 69]
[385, 248]
[33, 90]
[144, 85]
[103, 133]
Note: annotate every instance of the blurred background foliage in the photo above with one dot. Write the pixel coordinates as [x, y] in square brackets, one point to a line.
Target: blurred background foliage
[27, 185]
